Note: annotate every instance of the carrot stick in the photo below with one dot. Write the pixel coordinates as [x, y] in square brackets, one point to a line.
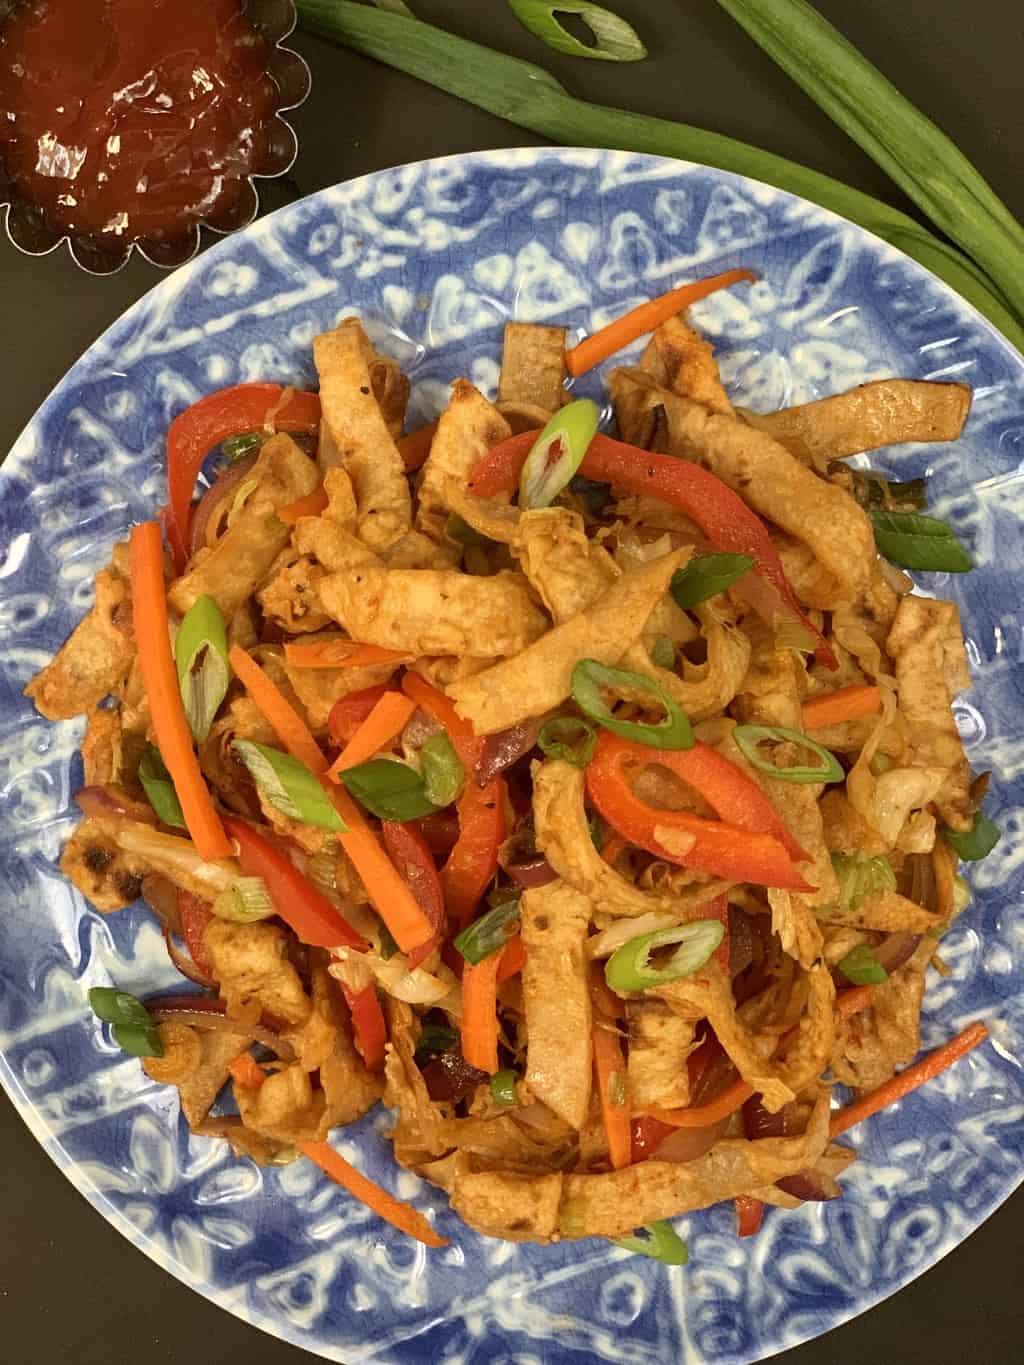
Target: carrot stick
[415, 447]
[288, 725]
[513, 959]
[852, 1001]
[246, 1073]
[610, 1070]
[479, 1029]
[721, 1107]
[310, 506]
[386, 1206]
[848, 703]
[160, 678]
[930, 1066]
[390, 896]
[385, 722]
[340, 654]
[593, 349]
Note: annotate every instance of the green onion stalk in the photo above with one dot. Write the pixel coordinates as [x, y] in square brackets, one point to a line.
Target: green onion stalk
[527, 95]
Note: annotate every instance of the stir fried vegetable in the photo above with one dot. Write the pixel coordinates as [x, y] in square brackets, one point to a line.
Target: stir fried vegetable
[589, 676]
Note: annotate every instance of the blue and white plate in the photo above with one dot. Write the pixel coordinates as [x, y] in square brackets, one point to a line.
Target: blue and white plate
[436, 257]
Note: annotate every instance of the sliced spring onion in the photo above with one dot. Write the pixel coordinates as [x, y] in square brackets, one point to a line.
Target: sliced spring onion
[748, 737]
[443, 773]
[568, 737]
[614, 39]
[557, 453]
[659, 1241]
[503, 1087]
[859, 875]
[236, 448]
[589, 676]
[975, 843]
[862, 967]
[388, 789]
[629, 967]
[159, 789]
[435, 1038]
[914, 541]
[663, 652]
[462, 533]
[201, 656]
[489, 933]
[289, 785]
[134, 1028]
[247, 901]
[706, 576]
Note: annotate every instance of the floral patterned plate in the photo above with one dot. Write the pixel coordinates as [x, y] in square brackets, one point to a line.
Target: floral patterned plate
[435, 257]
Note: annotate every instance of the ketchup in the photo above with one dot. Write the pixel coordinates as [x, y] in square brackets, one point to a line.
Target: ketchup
[133, 119]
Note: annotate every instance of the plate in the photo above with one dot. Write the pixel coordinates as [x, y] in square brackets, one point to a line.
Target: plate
[436, 257]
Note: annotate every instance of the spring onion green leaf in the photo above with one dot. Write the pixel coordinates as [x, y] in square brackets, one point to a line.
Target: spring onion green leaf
[489, 933]
[159, 789]
[526, 94]
[236, 448]
[630, 969]
[395, 7]
[659, 1241]
[557, 453]
[663, 653]
[589, 676]
[859, 876]
[614, 39]
[748, 737]
[289, 785]
[706, 576]
[503, 1087]
[201, 656]
[975, 843]
[435, 1038]
[462, 533]
[388, 946]
[388, 789]
[568, 737]
[862, 967]
[134, 1028]
[909, 147]
[443, 773]
[914, 541]
[245, 902]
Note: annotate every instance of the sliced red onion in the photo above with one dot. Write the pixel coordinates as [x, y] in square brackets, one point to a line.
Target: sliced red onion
[687, 1144]
[450, 1078]
[500, 751]
[760, 1123]
[221, 487]
[208, 1012]
[811, 1186]
[105, 801]
[742, 941]
[535, 871]
[185, 965]
[895, 950]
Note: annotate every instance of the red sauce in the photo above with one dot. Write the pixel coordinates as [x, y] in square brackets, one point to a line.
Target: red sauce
[131, 119]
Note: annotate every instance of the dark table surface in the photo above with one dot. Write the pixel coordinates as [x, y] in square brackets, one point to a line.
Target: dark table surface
[70, 1288]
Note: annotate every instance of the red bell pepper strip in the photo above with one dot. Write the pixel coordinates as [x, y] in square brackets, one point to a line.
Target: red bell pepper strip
[302, 907]
[749, 1215]
[473, 861]
[737, 852]
[195, 915]
[410, 853]
[721, 514]
[228, 412]
[368, 1025]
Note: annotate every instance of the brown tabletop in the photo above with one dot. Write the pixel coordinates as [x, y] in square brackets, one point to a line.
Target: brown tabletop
[70, 1288]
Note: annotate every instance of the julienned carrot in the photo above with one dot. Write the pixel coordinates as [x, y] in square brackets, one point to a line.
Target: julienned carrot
[385, 722]
[384, 1205]
[852, 1001]
[160, 678]
[466, 742]
[479, 1027]
[513, 959]
[288, 725]
[848, 703]
[610, 1071]
[415, 447]
[391, 898]
[637, 323]
[721, 1107]
[245, 1071]
[310, 506]
[340, 654]
[907, 1081]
